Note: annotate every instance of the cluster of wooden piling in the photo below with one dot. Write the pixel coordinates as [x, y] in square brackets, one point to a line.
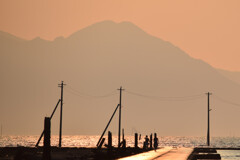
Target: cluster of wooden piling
[123, 143]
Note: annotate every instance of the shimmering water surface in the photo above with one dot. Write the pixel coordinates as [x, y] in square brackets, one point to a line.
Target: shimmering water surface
[91, 141]
[229, 154]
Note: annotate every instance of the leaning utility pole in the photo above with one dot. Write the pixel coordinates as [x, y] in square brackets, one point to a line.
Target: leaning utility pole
[208, 111]
[120, 108]
[60, 128]
[99, 141]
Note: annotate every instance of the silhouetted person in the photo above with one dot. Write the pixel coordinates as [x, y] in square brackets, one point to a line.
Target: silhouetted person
[155, 141]
[146, 143]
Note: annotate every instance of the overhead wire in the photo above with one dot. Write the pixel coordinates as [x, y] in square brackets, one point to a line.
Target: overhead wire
[226, 101]
[181, 98]
[74, 93]
[81, 94]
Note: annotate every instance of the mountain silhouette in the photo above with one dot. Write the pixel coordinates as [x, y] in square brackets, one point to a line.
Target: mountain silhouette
[234, 76]
[164, 87]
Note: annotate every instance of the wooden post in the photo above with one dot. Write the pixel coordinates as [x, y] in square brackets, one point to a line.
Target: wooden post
[136, 140]
[47, 139]
[151, 141]
[123, 140]
[124, 144]
[155, 141]
[109, 140]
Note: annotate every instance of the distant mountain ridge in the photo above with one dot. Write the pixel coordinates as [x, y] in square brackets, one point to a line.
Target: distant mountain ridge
[234, 76]
[101, 58]
[5, 35]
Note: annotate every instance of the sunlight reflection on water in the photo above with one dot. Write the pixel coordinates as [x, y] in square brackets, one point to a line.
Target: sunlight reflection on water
[91, 141]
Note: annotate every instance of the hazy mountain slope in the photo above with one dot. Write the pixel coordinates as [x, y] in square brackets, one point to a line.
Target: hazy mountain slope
[96, 61]
[234, 76]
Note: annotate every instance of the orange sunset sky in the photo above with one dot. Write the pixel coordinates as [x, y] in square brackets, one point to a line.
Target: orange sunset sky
[205, 29]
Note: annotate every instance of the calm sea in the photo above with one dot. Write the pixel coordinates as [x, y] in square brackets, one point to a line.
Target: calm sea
[91, 141]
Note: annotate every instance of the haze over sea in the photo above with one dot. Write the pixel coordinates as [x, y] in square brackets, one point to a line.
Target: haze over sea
[91, 141]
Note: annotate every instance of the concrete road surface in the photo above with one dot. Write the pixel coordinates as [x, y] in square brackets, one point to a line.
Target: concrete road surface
[166, 153]
[175, 154]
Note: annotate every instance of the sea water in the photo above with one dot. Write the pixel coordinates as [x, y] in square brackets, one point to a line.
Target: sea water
[91, 141]
[229, 154]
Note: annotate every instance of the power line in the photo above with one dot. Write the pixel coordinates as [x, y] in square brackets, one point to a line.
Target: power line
[74, 93]
[139, 94]
[90, 97]
[182, 98]
[226, 101]
[77, 91]
[81, 94]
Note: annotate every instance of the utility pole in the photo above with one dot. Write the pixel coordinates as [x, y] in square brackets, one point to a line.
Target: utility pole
[120, 108]
[208, 111]
[61, 108]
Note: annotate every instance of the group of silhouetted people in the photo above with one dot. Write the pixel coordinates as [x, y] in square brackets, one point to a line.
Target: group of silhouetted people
[155, 142]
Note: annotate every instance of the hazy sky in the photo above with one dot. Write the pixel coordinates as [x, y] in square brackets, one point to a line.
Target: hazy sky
[205, 29]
